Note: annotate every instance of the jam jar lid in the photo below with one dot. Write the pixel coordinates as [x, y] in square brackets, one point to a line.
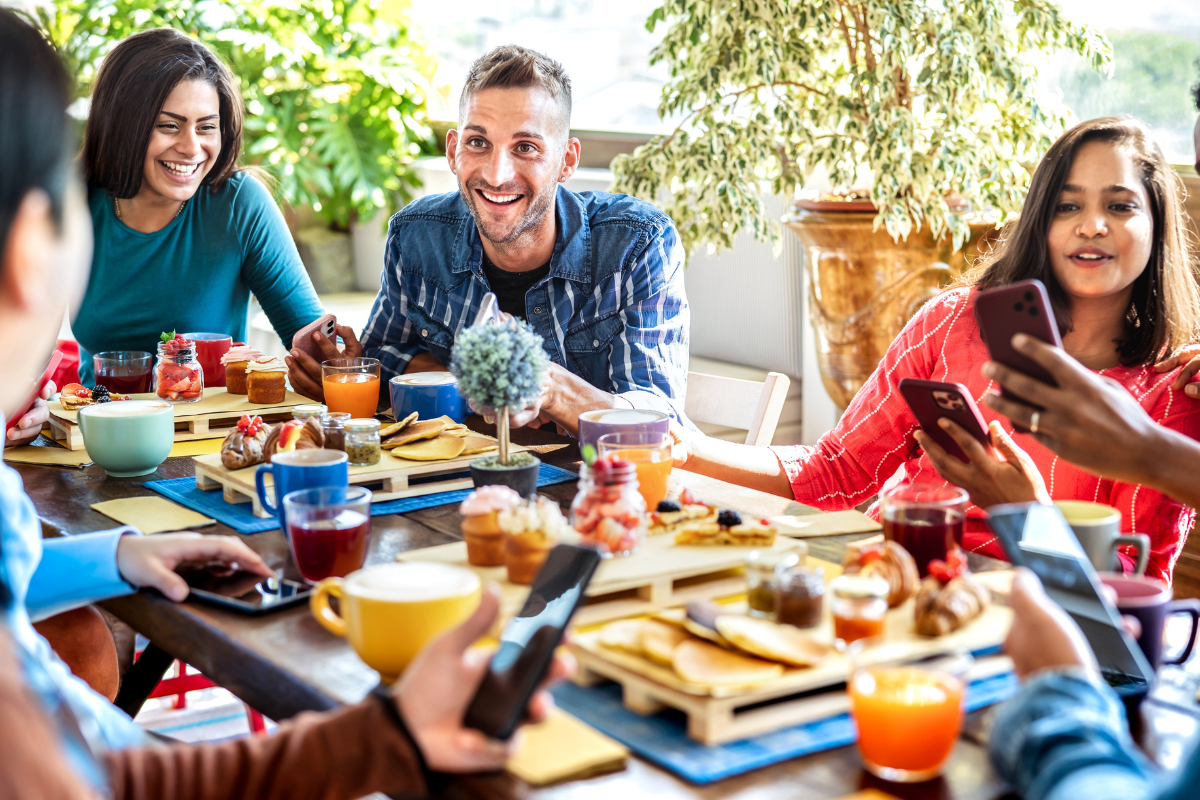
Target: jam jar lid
[339, 417]
[307, 410]
[362, 425]
[772, 559]
[860, 587]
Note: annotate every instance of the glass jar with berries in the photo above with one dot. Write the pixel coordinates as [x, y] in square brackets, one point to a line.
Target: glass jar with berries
[609, 512]
[178, 376]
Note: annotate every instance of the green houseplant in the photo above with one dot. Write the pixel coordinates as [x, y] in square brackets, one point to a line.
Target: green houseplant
[927, 101]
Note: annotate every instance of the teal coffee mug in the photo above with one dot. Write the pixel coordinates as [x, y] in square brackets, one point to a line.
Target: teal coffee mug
[297, 470]
[129, 437]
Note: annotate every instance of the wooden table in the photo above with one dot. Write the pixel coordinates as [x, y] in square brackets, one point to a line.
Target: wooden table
[285, 663]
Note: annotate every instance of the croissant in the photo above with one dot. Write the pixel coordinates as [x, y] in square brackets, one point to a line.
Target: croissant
[239, 451]
[894, 565]
[944, 609]
[296, 436]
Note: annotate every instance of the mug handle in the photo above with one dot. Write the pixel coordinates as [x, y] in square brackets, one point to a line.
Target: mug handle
[1192, 609]
[319, 603]
[1139, 542]
[261, 487]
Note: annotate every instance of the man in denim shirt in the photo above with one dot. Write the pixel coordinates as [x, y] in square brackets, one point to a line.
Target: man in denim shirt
[599, 276]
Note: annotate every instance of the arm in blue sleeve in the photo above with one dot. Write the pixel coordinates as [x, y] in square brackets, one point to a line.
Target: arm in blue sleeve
[389, 336]
[1064, 737]
[75, 571]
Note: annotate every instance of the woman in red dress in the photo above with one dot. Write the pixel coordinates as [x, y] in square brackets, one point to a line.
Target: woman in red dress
[1103, 228]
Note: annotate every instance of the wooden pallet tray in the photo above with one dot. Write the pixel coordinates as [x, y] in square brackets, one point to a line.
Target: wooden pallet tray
[725, 714]
[659, 575]
[210, 417]
[388, 480]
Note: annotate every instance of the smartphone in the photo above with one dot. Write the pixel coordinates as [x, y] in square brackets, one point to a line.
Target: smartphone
[1003, 312]
[932, 400]
[243, 591]
[1037, 536]
[489, 310]
[529, 640]
[37, 391]
[303, 342]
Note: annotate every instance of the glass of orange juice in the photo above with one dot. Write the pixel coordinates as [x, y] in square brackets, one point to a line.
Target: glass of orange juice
[908, 715]
[351, 385]
[650, 453]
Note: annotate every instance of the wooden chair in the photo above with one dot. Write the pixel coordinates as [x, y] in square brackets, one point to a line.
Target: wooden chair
[747, 405]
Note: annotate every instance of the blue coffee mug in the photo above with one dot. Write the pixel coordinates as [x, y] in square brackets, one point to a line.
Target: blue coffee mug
[301, 469]
[430, 394]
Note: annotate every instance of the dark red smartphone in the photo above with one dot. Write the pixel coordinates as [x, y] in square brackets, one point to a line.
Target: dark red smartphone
[303, 341]
[932, 400]
[1022, 307]
[41, 384]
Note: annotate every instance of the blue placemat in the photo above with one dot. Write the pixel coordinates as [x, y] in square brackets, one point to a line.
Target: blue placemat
[662, 738]
[240, 516]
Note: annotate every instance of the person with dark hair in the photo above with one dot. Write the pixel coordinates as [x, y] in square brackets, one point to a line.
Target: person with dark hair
[69, 742]
[1103, 229]
[599, 276]
[183, 234]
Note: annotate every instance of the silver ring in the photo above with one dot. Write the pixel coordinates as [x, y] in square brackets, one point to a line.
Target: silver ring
[1033, 421]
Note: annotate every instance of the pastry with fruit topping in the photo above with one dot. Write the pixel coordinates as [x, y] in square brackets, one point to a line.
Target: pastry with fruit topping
[481, 526]
[243, 447]
[729, 528]
[889, 561]
[671, 514]
[177, 375]
[74, 397]
[235, 360]
[265, 379]
[531, 529]
[950, 597]
[294, 435]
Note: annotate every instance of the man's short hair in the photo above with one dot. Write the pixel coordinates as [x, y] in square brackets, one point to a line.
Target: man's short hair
[514, 67]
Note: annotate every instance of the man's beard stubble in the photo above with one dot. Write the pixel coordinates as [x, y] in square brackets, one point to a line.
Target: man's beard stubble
[504, 239]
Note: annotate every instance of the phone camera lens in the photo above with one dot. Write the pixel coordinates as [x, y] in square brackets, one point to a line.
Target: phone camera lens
[1033, 312]
[1019, 307]
[1029, 297]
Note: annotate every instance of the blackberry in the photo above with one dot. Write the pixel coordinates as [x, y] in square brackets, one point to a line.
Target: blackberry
[102, 399]
[100, 391]
[667, 506]
[727, 518]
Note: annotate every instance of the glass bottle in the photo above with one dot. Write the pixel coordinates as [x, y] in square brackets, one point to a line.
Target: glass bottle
[362, 442]
[761, 586]
[334, 424]
[609, 512]
[303, 412]
[178, 376]
[859, 604]
[800, 596]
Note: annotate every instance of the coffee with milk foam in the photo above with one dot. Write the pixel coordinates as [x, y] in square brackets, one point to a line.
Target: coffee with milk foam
[125, 408]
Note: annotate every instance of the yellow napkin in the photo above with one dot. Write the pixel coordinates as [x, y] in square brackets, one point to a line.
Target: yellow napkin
[563, 748]
[47, 455]
[196, 447]
[152, 514]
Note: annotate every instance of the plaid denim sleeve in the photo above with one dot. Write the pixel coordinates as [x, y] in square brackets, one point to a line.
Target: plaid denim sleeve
[389, 335]
[1064, 737]
[649, 359]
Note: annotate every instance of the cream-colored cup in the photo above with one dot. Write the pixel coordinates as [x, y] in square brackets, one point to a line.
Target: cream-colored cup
[390, 611]
[1098, 529]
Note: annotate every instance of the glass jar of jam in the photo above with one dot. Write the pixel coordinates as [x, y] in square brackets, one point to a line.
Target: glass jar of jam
[178, 376]
[303, 412]
[609, 512]
[859, 604]
[762, 566]
[800, 596]
[362, 442]
[334, 425]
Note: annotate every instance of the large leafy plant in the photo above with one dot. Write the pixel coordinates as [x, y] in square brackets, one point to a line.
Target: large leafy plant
[932, 97]
[334, 89]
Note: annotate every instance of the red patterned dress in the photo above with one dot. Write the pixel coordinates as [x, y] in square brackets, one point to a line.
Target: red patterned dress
[873, 446]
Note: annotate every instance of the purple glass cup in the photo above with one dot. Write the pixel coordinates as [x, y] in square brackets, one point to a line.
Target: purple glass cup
[594, 424]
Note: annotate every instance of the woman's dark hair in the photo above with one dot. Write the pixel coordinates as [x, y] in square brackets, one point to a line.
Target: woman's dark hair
[35, 133]
[1164, 311]
[133, 83]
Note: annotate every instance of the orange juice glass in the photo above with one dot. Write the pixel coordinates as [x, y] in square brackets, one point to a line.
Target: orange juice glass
[908, 716]
[650, 453]
[351, 385]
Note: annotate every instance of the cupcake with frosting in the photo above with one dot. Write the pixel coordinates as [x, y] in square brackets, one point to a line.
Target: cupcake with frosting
[235, 360]
[531, 529]
[481, 526]
[265, 381]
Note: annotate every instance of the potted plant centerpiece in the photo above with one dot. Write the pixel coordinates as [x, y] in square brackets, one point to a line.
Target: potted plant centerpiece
[500, 366]
[933, 107]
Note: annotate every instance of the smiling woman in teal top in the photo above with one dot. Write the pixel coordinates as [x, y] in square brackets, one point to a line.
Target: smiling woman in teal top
[182, 235]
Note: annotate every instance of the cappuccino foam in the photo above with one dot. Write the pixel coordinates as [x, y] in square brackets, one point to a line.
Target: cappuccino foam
[412, 582]
[125, 408]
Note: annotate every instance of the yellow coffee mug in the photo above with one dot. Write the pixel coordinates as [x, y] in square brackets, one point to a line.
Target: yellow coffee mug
[390, 611]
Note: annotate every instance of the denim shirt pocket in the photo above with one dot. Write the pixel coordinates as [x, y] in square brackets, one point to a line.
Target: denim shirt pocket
[436, 337]
[588, 350]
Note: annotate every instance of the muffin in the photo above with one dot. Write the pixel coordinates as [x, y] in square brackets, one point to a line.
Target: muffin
[531, 529]
[235, 360]
[265, 381]
[480, 527]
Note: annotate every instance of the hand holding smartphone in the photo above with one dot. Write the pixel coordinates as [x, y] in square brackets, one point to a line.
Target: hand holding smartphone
[303, 340]
[932, 400]
[15, 419]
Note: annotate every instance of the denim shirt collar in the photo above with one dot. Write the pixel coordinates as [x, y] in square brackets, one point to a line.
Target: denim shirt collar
[572, 259]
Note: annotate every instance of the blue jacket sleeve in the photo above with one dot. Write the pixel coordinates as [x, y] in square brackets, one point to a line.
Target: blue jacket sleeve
[75, 571]
[1064, 737]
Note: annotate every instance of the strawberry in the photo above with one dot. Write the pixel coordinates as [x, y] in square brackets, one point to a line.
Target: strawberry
[82, 392]
[687, 498]
[869, 554]
[71, 388]
[940, 570]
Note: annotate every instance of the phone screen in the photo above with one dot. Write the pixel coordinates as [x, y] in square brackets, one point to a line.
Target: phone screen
[245, 591]
[528, 642]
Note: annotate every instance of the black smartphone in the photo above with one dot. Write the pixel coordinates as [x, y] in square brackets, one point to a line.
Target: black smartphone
[1037, 536]
[243, 591]
[528, 642]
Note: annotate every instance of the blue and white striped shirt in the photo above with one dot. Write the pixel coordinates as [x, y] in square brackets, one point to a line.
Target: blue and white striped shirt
[612, 309]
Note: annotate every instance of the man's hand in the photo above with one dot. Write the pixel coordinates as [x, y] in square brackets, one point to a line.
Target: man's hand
[150, 561]
[434, 692]
[1189, 357]
[304, 371]
[1042, 636]
[1005, 475]
[30, 425]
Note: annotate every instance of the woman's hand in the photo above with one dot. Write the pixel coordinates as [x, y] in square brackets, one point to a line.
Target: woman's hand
[150, 561]
[304, 371]
[681, 444]
[1189, 358]
[1003, 473]
[30, 425]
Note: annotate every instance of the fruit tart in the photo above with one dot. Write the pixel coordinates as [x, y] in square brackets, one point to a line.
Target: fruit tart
[889, 561]
[950, 597]
[243, 447]
[481, 526]
[531, 529]
[265, 381]
[74, 396]
[671, 514]
[729, 528]
[235, 360]
[294, 435]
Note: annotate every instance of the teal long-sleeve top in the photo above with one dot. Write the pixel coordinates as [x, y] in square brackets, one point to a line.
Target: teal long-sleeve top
[194, 275]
